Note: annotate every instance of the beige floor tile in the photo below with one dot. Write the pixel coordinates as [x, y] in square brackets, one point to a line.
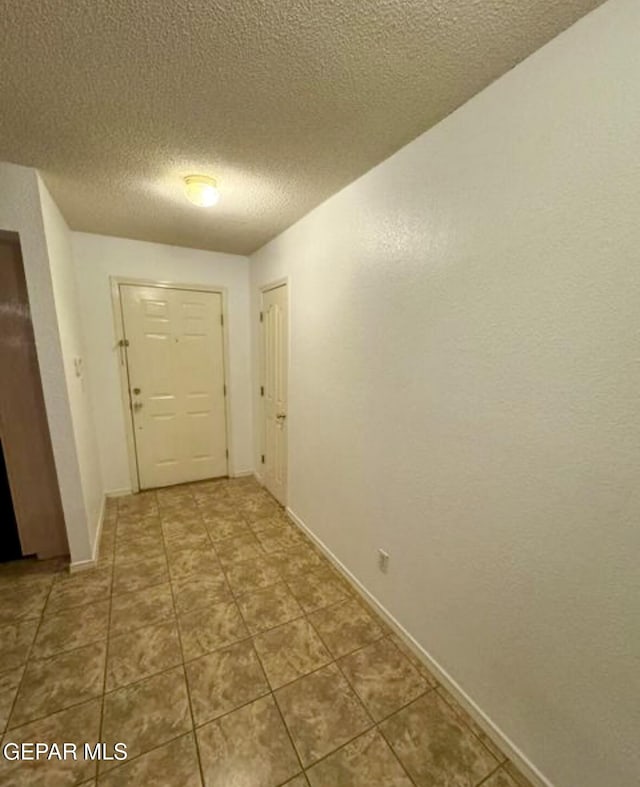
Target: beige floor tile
[210, 628]
[199, 591]
[227, 527]
[140, 574]
[278, 539]
[251, 575]
[146, 501]
[15, 642]
[365, 762]
[383, 678]
[136, 521]
[465, 718]
[177, 528]
[346, 626]
[72, 629]
[318, 589]
[180, 513]
[107, 546]
[196, 539]
[77, 725]
[322, 713]
[434, 746]
[249, 747]
[219, 508]
[264, 609]
[190, 562]
[223, 680]
[179, 495]
[173, 764]
[276, 521]
[404, 648]
[141, 653]
[52, 684]
[298, 781]
[135, 549]
[297, 562]
[146, 714]
[9, 682]
[145, 607]
[26, 603]
[234, 550]
[258, 507]
[30, 570]
[137, 527]
[290, 651]
[500, 779]
[74, 590]
[520, 780]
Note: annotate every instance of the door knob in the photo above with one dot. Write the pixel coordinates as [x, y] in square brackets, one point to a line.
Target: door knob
[136, 391]
[137, 406]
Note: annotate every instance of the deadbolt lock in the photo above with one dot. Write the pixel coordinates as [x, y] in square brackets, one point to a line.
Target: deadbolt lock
[136, 391]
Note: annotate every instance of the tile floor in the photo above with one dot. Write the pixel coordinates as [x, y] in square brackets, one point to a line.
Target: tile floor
[224, 650]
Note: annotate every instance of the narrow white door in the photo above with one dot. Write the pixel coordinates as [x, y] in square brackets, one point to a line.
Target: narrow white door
[175, 367]
[275, 366]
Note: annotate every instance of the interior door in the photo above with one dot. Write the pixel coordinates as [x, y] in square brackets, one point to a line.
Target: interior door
[175, 366]
[275, 324]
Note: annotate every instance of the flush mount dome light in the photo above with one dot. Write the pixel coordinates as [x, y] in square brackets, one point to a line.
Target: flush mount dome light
[201, 190]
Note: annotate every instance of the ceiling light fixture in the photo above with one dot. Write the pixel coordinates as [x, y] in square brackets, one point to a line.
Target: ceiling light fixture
[201, 190]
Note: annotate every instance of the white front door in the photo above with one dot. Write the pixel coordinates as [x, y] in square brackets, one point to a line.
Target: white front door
[275, 325]
[175, 367]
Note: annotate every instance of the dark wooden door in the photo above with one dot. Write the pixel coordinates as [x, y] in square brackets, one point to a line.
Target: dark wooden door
[24, 429]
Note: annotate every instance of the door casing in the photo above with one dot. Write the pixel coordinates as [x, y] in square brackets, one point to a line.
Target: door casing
[118, 318]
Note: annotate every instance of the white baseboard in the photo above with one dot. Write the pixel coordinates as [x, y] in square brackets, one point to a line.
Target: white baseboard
[83, 565]
[119, 492]
[241, 474]
[492, 730]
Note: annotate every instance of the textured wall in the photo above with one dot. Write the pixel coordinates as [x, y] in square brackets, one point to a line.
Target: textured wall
[21, 211]
[464, 393]
[97, 258]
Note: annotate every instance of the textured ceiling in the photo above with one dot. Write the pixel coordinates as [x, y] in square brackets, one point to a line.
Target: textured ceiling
[284, 101]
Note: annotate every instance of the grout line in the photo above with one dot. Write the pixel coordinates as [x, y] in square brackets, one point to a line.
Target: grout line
[26, 662]
[108, 638]
[184, 668]
[489, 775]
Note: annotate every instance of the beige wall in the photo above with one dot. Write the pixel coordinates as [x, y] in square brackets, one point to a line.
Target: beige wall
[464, 394]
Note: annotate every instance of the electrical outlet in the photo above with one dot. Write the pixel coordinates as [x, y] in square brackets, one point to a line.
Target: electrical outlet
[383, 560]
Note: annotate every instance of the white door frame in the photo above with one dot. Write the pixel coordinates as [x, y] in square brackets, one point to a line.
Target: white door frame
[273, 285]
[118, 321]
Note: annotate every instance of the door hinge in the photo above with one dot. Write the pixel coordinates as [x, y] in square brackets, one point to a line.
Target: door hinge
[222, 319]
[224, 390]
[261, 316]
[262, 458]
[262, 390]
[226, 453]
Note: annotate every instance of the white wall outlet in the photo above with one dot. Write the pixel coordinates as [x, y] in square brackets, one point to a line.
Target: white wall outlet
[383, 560]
